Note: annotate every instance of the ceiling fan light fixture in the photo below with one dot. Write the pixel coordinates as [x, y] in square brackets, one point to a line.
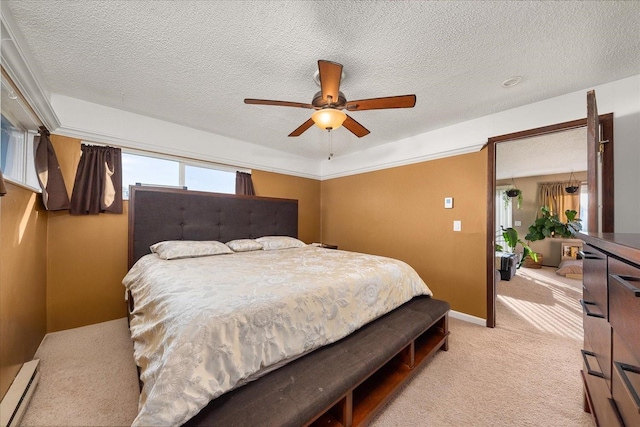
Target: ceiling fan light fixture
[328, 118]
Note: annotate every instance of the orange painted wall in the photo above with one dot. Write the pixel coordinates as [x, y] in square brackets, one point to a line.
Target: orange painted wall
[399, 212]
[305, 190]
[86, 257]
[86, 261]
[23, 234]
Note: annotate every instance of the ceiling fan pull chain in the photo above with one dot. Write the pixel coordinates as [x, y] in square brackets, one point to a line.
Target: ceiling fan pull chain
[330, 144]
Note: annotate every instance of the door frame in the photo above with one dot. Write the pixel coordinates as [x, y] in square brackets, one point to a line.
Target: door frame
[606, 121]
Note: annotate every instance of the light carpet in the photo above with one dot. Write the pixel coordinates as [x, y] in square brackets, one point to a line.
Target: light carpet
[87, 378]
[524, 372]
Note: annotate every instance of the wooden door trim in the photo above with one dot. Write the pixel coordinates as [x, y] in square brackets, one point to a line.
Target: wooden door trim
[606, 121]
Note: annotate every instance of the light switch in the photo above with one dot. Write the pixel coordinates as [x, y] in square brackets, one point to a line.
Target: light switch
[457, 225]
[448, 202]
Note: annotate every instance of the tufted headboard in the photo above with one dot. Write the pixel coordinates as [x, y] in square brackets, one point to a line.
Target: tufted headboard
[157, 214]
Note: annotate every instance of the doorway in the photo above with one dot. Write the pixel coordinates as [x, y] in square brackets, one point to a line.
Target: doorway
[607, 198]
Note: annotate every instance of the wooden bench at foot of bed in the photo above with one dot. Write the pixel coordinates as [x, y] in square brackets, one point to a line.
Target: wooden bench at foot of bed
[343, 384]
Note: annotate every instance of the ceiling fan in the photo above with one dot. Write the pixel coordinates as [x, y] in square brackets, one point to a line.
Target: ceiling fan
[330, 102]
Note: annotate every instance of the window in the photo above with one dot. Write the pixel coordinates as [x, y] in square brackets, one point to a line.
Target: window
[137, 169]
[145, 169]
[504, 214]
[584, 206]
[207, 179]
[16, 154]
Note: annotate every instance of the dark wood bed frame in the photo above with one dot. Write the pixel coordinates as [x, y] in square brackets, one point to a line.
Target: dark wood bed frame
[342, 384]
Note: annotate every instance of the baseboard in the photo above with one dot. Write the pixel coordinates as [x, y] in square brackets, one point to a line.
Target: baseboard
[468, 318]
[15, 401]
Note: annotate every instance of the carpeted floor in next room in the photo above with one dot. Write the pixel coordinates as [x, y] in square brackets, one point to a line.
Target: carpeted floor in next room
[524, 372]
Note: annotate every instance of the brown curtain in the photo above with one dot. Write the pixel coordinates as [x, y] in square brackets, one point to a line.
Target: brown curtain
[54, 192]
[244, 184]
[98, 184]
[554, 196]
[3, 189]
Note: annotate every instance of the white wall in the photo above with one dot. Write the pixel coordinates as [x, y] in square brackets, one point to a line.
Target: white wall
[97, 123]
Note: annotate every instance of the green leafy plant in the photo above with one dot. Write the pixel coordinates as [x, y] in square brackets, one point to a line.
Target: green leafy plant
[549, 225]
[512, 239]
[511, 193]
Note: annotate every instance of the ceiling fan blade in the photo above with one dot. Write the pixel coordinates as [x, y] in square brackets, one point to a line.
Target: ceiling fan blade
[330, 75]
[356, 128]
[306, 125]
[278, 103]
[403, 101]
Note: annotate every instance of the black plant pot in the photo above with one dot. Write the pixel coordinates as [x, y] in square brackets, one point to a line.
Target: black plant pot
[513, 193]
[572, 189]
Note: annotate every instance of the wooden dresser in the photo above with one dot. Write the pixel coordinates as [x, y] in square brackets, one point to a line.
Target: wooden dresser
[611, 321]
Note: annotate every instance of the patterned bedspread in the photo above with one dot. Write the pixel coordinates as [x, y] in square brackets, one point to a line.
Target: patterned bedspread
[202, 326]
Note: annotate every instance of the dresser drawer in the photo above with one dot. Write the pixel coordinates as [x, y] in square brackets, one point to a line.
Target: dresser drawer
[602, 406]
[597, 342]
[597, 336]
[594, 278]
[624, 300]
[625, 382]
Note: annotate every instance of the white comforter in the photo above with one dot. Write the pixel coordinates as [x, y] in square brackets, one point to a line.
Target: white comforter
[203, 326]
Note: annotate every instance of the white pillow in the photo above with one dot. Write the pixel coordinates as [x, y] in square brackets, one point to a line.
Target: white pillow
[244, 245]
[279, 242]
[176, 249]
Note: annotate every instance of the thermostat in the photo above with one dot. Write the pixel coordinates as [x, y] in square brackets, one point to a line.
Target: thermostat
[448, 202]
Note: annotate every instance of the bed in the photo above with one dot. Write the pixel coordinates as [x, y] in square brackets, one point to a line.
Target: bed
[204, 347]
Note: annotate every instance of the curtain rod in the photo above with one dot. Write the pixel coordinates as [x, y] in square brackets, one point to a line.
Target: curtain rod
[164, 155]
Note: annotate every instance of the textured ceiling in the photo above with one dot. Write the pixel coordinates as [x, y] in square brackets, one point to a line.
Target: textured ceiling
[563, 152]
[193, 62]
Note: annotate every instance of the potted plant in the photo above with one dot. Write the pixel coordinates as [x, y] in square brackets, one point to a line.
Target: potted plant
[511, 193]
[549, 225]
[512, 239]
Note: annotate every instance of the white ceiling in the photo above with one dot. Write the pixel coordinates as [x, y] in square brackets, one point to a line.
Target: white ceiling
[193, 62]
[561, 152]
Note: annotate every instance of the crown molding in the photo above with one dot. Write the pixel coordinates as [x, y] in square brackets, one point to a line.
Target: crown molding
[20, 67]
[106, 139]
[408, 161]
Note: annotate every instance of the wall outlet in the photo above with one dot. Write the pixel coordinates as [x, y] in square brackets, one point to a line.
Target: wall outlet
[518, 223]
[457, 225]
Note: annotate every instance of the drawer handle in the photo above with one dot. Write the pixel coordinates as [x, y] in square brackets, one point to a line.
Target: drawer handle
[586, 353]
[626, 282]
[588, 312]
[623, 368]
[589, 255]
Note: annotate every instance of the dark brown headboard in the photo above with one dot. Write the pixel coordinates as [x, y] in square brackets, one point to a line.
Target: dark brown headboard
[157, 214]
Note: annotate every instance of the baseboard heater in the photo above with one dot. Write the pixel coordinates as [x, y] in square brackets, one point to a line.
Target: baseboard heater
[14, 404]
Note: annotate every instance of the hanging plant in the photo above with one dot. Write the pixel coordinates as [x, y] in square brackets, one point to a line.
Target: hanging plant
[573, 185]
[510, 194]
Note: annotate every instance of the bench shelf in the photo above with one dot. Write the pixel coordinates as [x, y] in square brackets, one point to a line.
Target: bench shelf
[359, 405]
